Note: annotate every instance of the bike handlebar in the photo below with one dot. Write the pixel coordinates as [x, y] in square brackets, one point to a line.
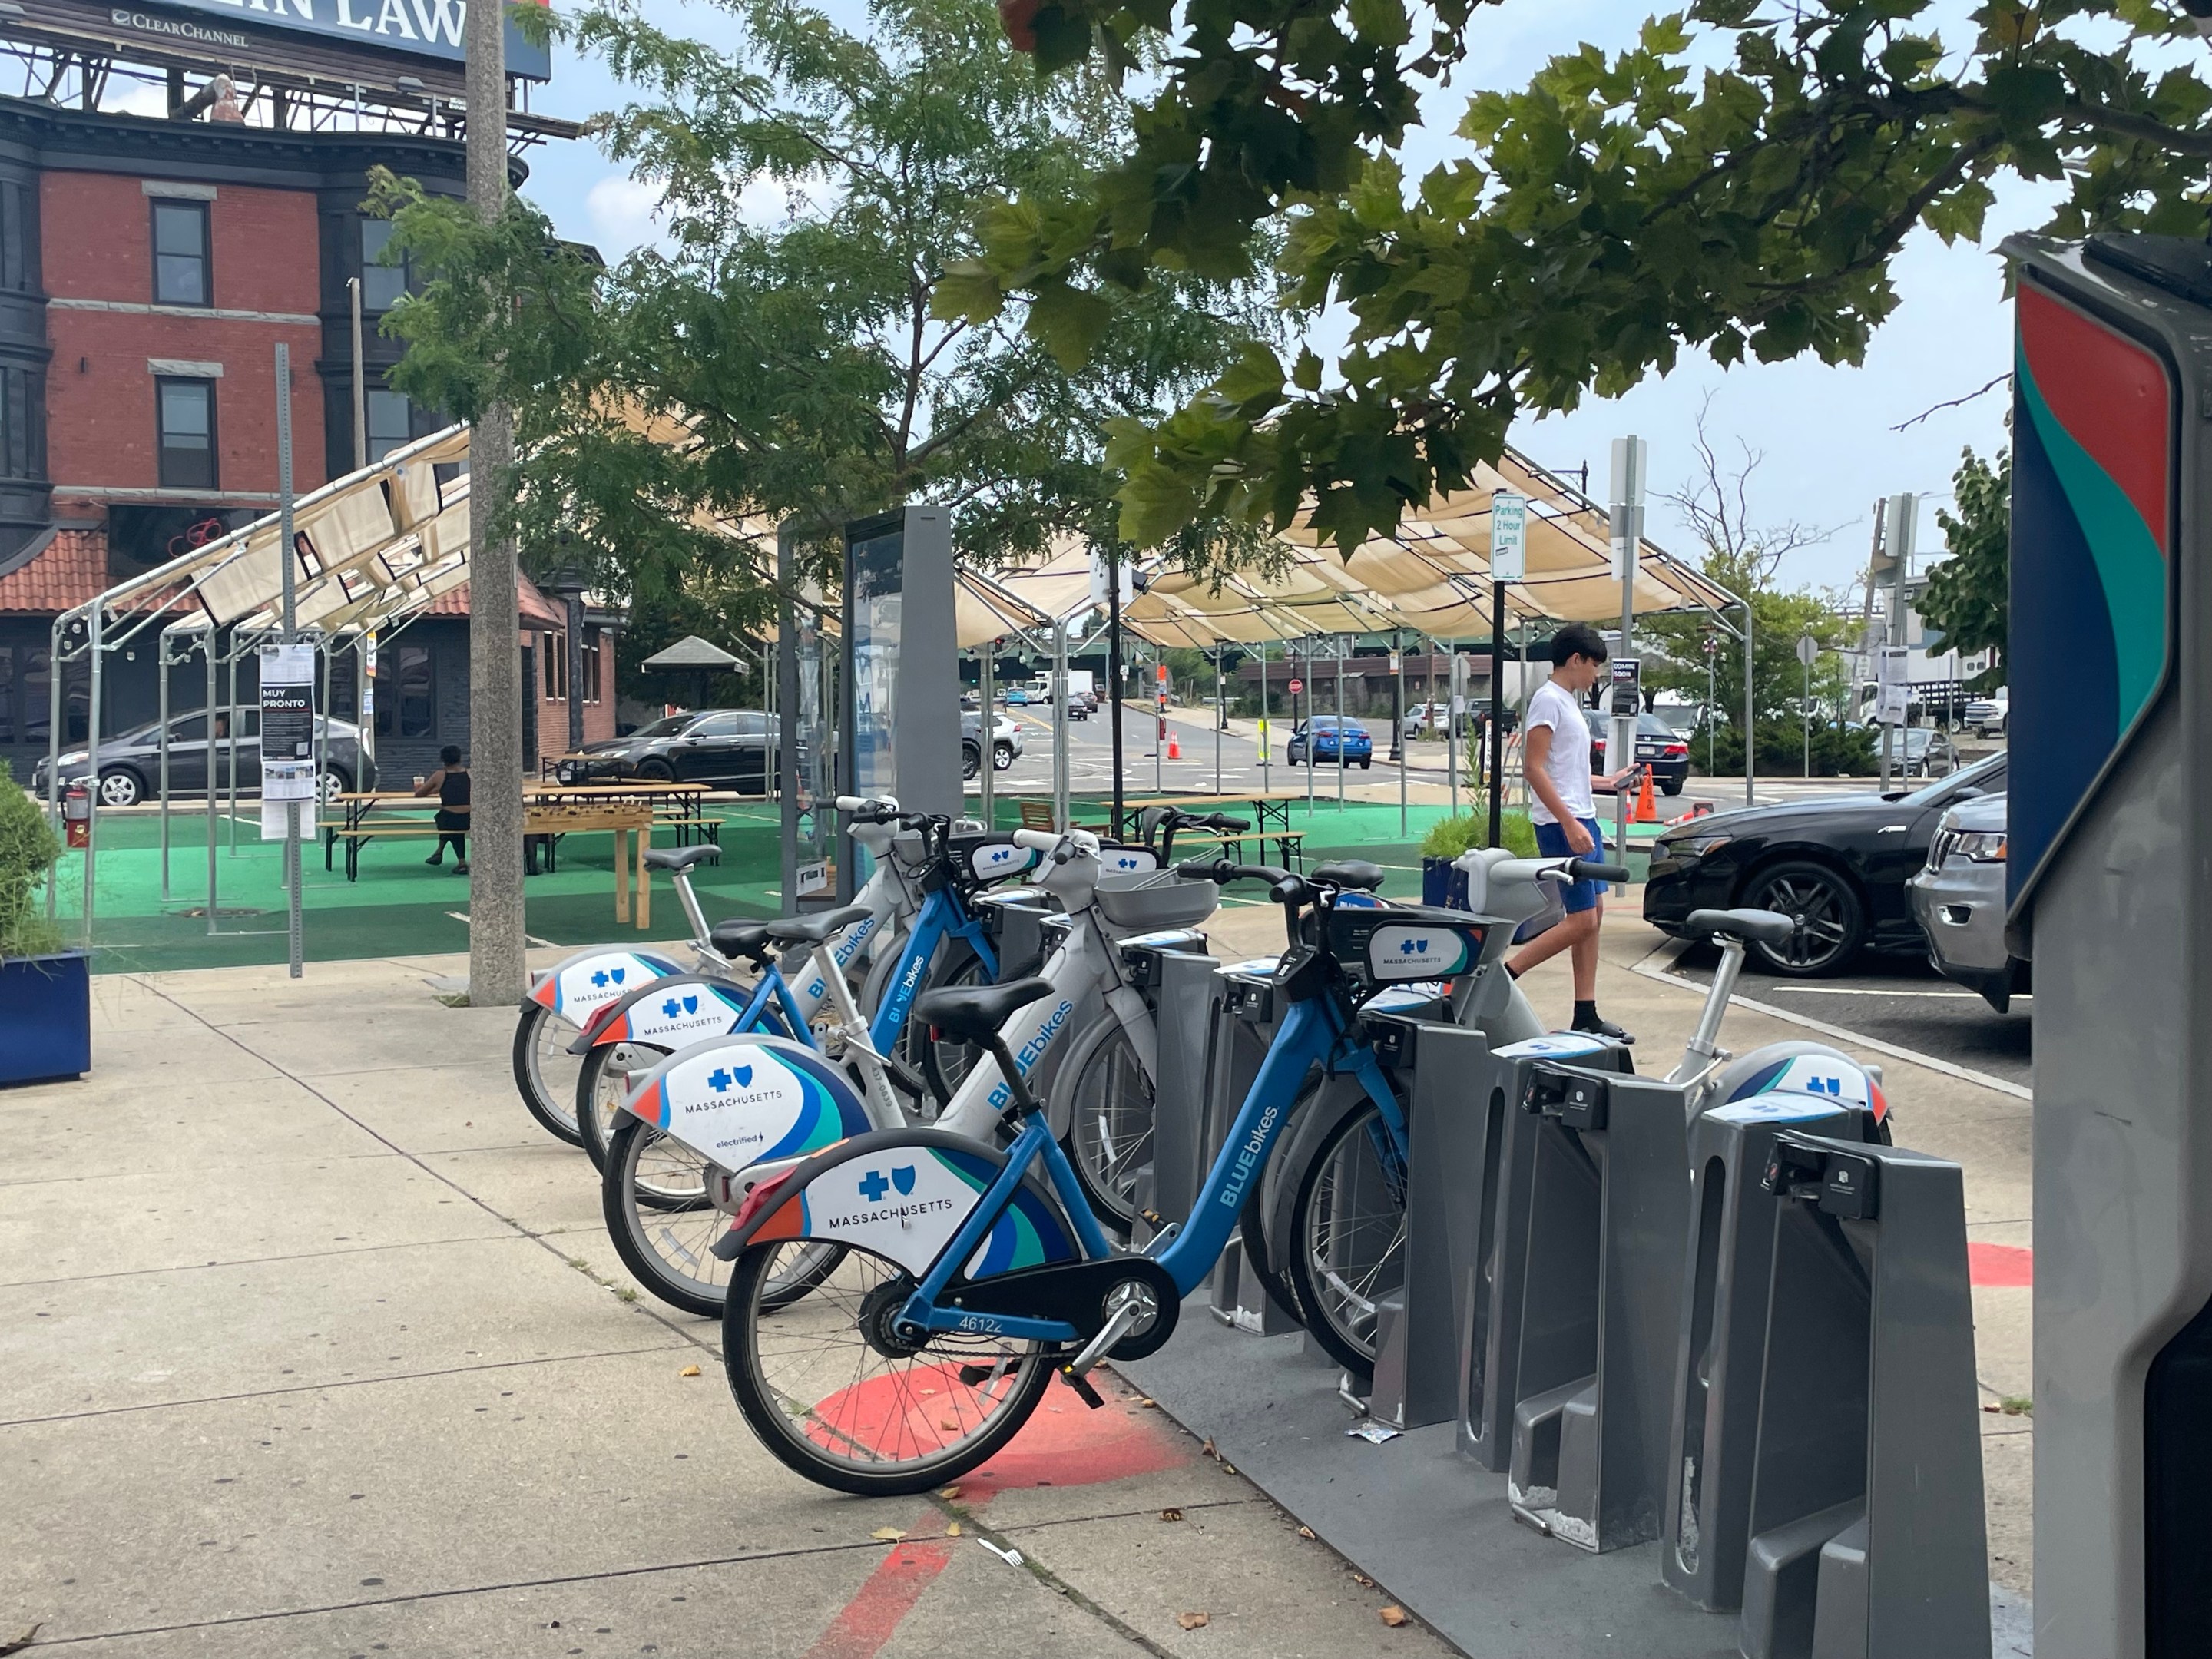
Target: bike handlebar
[852, 804]
[1036, 841]
[1591, 870]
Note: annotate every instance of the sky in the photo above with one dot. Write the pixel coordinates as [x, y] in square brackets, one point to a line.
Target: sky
[1824, 439]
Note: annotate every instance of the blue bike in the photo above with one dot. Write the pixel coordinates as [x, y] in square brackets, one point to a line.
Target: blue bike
[971, 1273]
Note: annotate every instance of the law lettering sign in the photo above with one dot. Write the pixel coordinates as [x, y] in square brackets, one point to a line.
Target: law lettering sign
[341, 40]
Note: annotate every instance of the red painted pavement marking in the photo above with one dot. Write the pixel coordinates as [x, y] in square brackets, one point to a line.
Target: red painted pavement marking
[1064, 1443]
[1997, 1266]
[860, 1631]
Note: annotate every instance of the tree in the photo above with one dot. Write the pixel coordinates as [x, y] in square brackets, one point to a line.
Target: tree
[1737, 181]
[1969, 595]
[761, 367]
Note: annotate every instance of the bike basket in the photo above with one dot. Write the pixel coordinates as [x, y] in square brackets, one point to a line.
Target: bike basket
[1160, 900]
[1388, 947]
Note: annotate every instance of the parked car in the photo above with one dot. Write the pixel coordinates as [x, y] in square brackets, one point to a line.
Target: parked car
[1988, 715]
[1921, 753]
[726, 748]
[1837, 864]
[1425, 720]
[1333, 743]
[1006, 742]
[1657, 746]
[1959, 898]
[131, 764]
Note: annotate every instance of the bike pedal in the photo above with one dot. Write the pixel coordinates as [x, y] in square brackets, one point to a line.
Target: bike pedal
[973, 1377]
[1081, 1384]
[1152, 1218]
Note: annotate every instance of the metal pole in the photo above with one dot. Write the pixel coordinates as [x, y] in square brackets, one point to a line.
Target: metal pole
[360, 390]
[1113, 672]
[1497, 712]
[1159, 723]
[207, 647]
[288, 563]
[1901, 514]
[92, 765]
[990, 736]
[1307, 685]
[1060, 727]
[1343, 646]
[1750, 727]
[1265, 777]
[230, 753]
[1398, 721]
[1625, 520]
[53, 747]
[1808, 714]
[1220, 714]
[1451, 725]
[161, 668]
[1712, 695]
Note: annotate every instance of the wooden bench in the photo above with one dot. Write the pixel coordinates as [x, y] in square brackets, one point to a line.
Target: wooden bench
[1290, 843]
[1037, 815]
[631, 826]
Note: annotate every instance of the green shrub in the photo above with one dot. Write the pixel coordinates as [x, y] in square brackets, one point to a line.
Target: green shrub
[1449, 837]
[1836, 752]
[27, 851]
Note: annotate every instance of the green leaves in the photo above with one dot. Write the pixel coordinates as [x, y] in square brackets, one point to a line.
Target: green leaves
[1968, 598]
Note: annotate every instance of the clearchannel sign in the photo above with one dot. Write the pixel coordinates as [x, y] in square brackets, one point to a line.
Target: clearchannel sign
[416, 29]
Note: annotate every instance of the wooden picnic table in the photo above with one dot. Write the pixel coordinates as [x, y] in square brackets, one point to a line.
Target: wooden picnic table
[630, 822]
[1270, 808]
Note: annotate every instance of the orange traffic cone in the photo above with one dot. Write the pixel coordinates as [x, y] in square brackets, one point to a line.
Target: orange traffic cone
[1647, 811]
[1175, 744]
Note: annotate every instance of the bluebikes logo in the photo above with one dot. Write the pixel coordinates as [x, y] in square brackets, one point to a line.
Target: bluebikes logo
[604, 976]
[1035, 1047]
[891, 1199]
[675, 1006]
[722, 1079]
[1126, 861]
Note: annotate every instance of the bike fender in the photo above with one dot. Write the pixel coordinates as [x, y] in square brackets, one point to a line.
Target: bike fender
[1338, 1098]
[1782, 1072]
[579, 986]
[671, 1013]
[903, 1193]
[735, 1100]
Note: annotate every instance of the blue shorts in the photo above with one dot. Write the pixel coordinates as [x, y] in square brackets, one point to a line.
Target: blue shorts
[1551, 842]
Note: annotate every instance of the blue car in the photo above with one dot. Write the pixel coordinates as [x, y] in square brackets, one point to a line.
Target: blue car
[1334, 742]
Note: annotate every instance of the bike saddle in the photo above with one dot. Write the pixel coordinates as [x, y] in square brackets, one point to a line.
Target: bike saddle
[813, 930]
[682, 858]
[1350, 872]
[974, 1013]
[1765, 926]
[742, 939]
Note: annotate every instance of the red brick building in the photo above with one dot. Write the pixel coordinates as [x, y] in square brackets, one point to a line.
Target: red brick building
[148, 268]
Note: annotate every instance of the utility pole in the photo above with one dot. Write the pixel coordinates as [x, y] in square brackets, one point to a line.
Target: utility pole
[1900, 514]
[497, 960]
[1508, 562]
[1114, 673]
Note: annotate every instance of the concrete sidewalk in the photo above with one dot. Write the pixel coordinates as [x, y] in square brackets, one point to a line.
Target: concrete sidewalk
[312, 1343]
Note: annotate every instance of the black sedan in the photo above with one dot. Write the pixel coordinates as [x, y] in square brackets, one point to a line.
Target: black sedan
[1837, 864]
[728, 748]
[1658, 746]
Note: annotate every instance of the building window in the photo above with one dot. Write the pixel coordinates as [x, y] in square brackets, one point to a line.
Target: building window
[591, 667]
[181, 276]
[554, 648]
[391, 423]
[187, 413]
[406, 699]
[381, 285]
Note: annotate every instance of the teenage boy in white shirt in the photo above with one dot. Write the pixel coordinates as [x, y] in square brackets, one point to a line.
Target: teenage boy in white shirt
[1555, 745]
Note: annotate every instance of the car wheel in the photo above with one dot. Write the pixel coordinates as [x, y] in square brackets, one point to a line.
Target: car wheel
[1002, 756]
[1832, 922]
[120, 788]
[1673, 789]
[334, 783]
[1366, 761]
[659, 771]
[971, 760]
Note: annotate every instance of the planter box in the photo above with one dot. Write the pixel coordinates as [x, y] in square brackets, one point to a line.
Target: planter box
[1442, 883]
[45, 1017]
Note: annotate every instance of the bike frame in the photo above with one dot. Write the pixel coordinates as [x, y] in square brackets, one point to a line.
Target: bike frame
[942, 916]
[1314, 1031]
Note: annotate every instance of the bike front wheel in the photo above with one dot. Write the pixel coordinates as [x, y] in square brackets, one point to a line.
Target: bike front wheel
[1348, 1233]
[609, 1072]
[545, 1072]
[835, 1395]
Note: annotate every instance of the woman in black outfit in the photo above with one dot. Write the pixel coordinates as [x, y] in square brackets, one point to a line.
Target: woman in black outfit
[450, 784]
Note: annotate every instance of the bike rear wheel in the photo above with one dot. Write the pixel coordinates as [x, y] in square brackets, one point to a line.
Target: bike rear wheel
[835, 1396]
[545, 1072]
[1110, 1124]
[654, 1194]
[1348, 1237]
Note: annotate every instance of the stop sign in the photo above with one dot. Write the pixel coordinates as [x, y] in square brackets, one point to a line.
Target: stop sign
[1297, 686]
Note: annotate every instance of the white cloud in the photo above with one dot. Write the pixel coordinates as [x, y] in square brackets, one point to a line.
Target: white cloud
[623, 213]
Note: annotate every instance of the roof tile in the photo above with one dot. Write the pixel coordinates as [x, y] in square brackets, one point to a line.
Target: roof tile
[69, 571]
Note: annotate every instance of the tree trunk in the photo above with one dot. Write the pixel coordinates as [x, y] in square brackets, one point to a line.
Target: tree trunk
[498, 972]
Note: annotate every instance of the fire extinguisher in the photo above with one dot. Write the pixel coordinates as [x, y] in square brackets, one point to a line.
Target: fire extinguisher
[77, 814]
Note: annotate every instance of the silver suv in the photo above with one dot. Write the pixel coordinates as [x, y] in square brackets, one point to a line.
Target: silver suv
[1959, 899]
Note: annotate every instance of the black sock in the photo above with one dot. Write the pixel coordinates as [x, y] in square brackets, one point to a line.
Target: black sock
[1586, 1012]
[1511, 972]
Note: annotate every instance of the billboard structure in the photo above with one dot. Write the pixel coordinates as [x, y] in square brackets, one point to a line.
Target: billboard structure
[902, 677]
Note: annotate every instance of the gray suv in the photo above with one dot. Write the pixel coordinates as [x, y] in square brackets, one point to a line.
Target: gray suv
[1959, 898]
